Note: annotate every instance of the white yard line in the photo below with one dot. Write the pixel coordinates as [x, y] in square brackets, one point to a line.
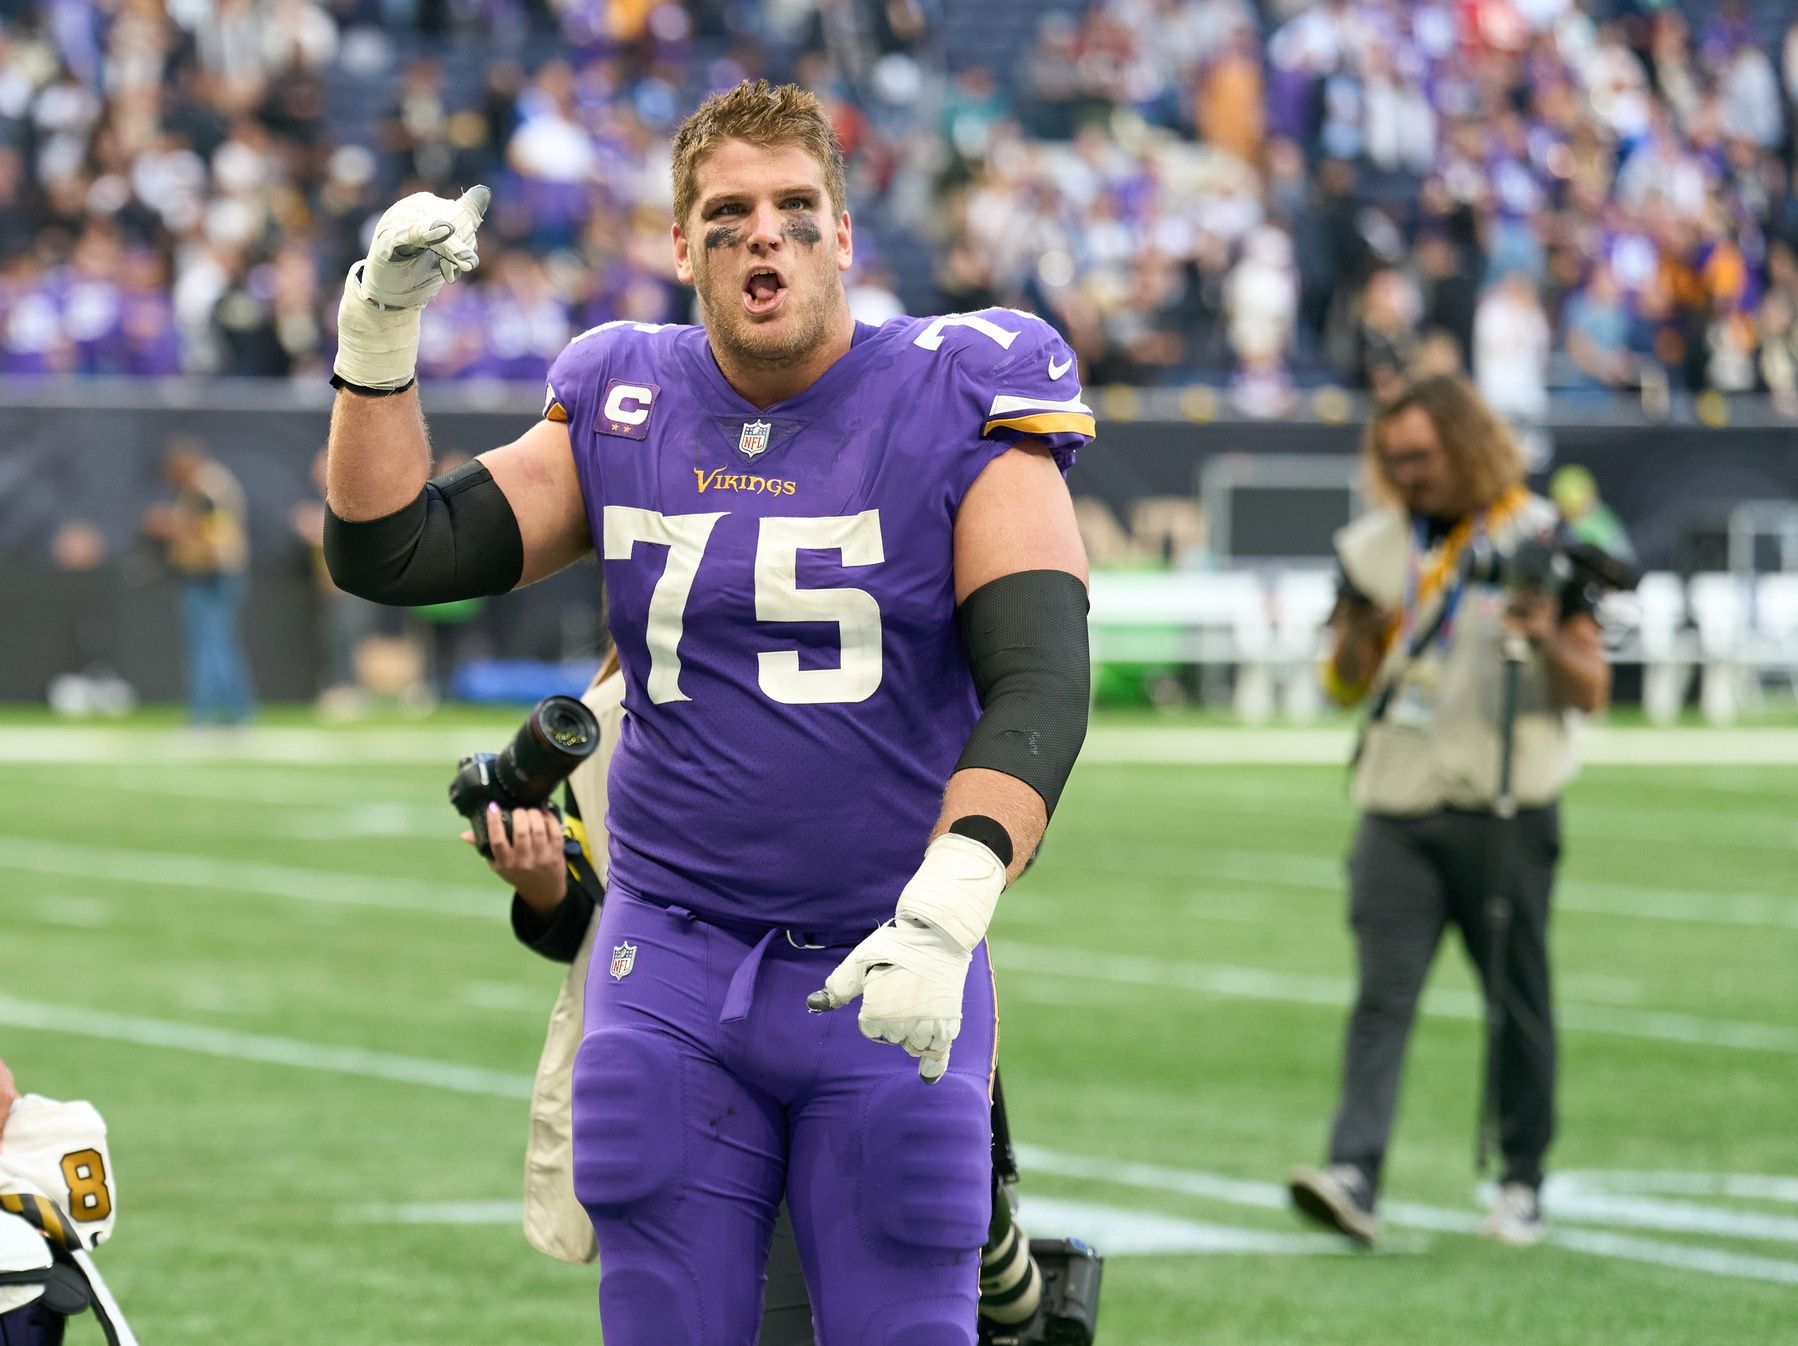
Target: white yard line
[1572, 1198]
[1677, 1182]
[338, 888]
[1598, 745]
[271, 1050]
[1320, 873]
[296, 746]
[1407, 1214]
[1116, 1231]
[1201, 864]
[300, 883]
[1336, 993]
[262, 1047]
[1112, 744]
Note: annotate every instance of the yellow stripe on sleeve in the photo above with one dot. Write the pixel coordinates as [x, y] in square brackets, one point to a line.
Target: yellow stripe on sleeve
[1043, 423]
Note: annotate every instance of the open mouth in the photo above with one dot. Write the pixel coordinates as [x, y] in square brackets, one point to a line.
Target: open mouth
[763, 290]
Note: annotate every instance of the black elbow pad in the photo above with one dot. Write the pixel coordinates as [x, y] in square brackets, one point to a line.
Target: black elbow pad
[1026, 641]
[457, 539]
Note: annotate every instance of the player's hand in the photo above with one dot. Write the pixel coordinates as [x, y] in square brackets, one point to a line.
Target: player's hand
[911, 973]
[531, 859]
[420, 243]
[910, 976]
[9, 1093]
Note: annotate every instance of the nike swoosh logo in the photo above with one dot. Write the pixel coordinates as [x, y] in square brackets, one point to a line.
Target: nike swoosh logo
[1057, 370]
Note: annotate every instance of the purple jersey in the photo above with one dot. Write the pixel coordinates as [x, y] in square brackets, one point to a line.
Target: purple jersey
[780, 586]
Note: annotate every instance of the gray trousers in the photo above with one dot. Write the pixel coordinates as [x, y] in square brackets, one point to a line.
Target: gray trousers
[1408, 878]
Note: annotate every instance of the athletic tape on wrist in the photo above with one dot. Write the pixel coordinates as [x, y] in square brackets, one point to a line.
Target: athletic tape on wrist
[956, 888]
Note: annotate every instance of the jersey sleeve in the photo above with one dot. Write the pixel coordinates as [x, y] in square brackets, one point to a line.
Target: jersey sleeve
[576, 374]
[1032, 390]
[59, 1150]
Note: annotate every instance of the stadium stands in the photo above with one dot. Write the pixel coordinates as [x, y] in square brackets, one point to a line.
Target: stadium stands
[1570, 196]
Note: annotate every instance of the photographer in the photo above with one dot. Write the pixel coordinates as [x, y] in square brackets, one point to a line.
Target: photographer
[556, 864]
[1469, 684]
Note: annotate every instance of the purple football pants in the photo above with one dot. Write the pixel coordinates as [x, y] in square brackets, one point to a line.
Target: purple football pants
[704, 1089]
[33, 1325]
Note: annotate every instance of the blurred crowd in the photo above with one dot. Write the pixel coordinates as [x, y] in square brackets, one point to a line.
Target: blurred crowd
[1568, 195]
[1552, 194]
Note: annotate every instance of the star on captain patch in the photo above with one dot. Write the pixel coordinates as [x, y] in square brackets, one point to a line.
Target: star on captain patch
[624, 958]
[753, 442]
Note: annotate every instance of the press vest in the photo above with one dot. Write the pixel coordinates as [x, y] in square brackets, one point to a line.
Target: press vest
[554, 1221]
[1438, 744]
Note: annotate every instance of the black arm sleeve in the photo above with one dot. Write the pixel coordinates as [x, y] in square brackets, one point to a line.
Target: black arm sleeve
[1026, 640]
[558, 936]
[458, 539]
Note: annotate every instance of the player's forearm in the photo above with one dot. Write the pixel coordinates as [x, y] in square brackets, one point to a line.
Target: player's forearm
[978, 792]
[379, 454]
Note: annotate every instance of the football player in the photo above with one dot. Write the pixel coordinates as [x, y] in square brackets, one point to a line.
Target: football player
[58, 1201]
[844, 579]
[556, 866]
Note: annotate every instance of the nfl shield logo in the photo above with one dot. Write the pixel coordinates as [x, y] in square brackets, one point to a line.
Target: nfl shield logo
[624, 958]
[753, 442]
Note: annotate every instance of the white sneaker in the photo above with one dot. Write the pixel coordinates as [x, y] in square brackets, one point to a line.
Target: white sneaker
[1337, 1198]
[1516, 1217]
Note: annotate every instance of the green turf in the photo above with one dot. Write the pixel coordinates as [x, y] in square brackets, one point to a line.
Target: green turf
[1172, 974]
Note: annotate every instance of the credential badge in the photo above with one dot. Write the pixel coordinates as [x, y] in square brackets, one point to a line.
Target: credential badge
[624, 958]
[753, 442]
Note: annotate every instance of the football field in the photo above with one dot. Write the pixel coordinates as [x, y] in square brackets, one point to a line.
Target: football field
[295, 997]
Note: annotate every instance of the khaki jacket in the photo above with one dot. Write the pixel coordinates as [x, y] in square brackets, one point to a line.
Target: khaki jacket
[1438, 746]
[554, 1222]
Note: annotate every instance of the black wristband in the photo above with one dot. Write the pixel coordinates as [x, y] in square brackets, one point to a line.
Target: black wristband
[343, 385]
[989, 832]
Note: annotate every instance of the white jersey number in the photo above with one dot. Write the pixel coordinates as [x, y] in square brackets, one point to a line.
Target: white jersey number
[778, 598]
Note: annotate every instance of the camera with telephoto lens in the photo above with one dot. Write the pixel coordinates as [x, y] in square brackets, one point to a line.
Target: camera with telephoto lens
[1069, 1315]
[559, 734]
[1551, 563]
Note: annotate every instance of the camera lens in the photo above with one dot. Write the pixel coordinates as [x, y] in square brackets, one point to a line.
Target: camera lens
[560, 734]
[566, 724]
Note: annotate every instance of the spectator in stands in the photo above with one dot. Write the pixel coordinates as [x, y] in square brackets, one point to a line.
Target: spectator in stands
[193, 150]
[1597, 333]
[1388, 332]
[1511, 346]
[1230, 100]
[206, 543]
[1779, 350]
[1262, 302]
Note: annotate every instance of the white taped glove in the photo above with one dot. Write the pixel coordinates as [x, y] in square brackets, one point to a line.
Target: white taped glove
[912, 971]
[419, 244]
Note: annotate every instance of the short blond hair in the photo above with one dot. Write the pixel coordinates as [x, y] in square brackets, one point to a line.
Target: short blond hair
[1479, 445]
[762, 114]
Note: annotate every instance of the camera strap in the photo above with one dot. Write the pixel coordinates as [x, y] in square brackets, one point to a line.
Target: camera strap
[1425, 576]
